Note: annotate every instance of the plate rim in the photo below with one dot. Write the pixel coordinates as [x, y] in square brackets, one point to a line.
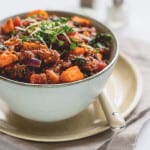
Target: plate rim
[139, 87]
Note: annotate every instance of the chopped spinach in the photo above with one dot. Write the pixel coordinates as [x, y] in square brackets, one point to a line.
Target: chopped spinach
[101, 40]
[80, 61]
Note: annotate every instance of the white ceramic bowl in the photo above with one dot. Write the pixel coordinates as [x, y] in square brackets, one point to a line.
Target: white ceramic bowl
[56, 102]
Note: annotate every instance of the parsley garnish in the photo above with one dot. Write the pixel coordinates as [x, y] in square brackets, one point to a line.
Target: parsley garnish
[72, 46]
[64, 52]
[49, 30]
[68, 29]
[96, 50]
[60, 43]
[24, 38]
[13, 33]
[40, 38]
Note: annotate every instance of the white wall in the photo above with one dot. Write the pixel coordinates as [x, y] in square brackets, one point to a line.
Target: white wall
[9, 7]
[138, 12]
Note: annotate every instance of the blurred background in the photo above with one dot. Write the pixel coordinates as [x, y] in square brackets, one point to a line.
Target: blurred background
[128, 18]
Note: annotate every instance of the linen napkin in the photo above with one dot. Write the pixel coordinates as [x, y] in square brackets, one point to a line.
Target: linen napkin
[125, 140]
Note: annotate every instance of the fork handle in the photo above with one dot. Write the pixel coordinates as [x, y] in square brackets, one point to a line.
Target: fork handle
[113, 116]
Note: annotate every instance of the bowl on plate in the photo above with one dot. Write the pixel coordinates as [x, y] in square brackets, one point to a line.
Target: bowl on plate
[49, 103]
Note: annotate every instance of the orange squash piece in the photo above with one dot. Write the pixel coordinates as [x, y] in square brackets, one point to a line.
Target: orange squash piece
[8, 27]
[7, 58]
[71, 74]
[74, 36]
[52, 77]
[38, 12]
[99, 56]
[81, 20]
[78, 51]
[33, 46]
[12, 42]
[86, 33]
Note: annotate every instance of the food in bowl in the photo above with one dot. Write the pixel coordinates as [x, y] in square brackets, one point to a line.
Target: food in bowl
[53, 102]
[42, 48]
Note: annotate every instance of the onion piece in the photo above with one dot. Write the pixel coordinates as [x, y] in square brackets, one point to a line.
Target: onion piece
[19, 28]
[82, 29]
[66, 36]
[33, 62]
[88, 46]
[84, 37]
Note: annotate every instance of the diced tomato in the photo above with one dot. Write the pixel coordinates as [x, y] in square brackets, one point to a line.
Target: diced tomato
[17, 21]
[101, 66]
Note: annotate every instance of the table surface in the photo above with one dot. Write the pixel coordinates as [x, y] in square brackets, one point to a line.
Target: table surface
[138, 28]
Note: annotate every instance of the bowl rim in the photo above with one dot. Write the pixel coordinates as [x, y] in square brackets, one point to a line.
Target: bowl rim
[114, 59]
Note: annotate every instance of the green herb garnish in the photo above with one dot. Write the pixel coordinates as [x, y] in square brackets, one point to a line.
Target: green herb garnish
[32, 17]
[101, 40]
[72, 46]
[47, 31]
[24, 38]
[96, 50]
[13, 33]
[60, 43]
[68, 29]
[64, 52]
[40, 38]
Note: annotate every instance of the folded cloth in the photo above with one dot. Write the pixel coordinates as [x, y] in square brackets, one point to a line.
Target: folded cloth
[125, 140]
